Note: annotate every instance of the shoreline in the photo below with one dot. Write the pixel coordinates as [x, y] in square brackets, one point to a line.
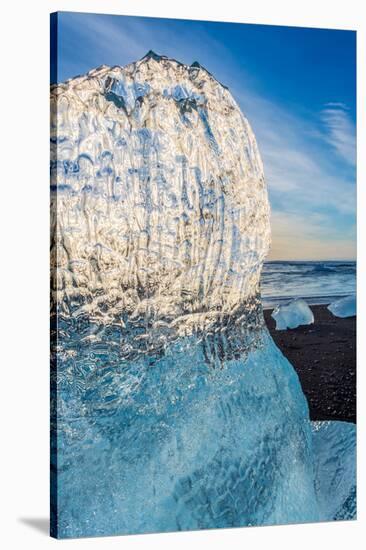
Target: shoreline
[272, 303]
[324, 356]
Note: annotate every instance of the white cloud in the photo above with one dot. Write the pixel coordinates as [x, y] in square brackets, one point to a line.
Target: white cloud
[114, 40]
[340, 131]
[313, 202]
[298, 172]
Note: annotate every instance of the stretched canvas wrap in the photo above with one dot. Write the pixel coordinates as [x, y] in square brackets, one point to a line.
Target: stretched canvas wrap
[202, 275]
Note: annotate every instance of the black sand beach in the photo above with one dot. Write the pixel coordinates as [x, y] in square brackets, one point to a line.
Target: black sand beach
[324, 357]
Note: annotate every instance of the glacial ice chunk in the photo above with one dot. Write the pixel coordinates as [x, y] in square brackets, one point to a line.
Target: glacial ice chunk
[183, 445]
[172, 408]
[292, 315]
[334, 450]
[345, 307]
[159, 199]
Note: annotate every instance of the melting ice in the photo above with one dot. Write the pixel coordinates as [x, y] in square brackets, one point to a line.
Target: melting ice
[172, 408]
[292, 315]
[345, 307]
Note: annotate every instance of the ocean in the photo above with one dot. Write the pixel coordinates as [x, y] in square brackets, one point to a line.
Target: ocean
[318, 282]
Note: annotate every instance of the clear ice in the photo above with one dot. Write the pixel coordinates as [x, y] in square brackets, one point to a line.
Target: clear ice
[344, 307]
[334, 449]
[171, 407]
[292, 315]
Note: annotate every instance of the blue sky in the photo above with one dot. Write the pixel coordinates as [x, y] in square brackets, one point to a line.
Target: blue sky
[296, 86]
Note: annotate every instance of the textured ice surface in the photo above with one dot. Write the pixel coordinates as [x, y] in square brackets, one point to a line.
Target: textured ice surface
[334, 448]
[159, 201]
[345, 307]
[292, 315]
[178, 442]
[171, 406]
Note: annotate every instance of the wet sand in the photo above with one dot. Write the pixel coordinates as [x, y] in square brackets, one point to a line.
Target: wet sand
[324, 357]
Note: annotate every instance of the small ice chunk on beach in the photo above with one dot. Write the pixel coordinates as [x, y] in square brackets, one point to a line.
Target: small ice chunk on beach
[292, 315]
[345, 307]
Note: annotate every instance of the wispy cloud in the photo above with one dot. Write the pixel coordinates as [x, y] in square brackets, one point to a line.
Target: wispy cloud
[313, 202]
[340, 131]
[116, 42]
[99, 37]
[294, 158]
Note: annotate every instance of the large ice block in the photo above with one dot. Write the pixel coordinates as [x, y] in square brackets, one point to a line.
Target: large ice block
[161, 213]
[172, 408]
